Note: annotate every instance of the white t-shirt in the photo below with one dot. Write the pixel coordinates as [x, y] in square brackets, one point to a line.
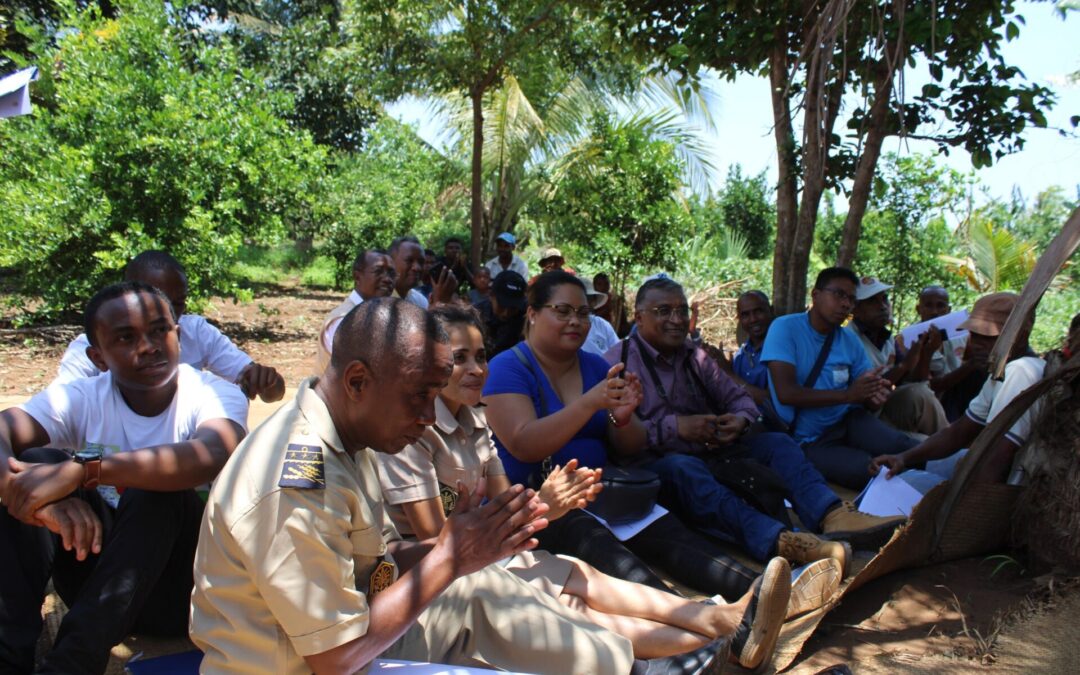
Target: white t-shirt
[516, 265]
[331, 328]
[994, 396]
[90, 413]
[202, 346]
[601, 336]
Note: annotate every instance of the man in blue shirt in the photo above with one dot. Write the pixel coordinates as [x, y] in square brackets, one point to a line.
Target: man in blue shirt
[755, 315]
[829, 415]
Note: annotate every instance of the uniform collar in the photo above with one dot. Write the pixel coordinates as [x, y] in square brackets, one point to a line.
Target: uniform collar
[467, 419]
[317, 414]
[355, 297]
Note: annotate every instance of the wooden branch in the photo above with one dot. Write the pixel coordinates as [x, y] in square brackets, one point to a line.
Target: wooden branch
[1049, 265]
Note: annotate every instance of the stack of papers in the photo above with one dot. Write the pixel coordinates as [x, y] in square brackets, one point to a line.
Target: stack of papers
[15, 92]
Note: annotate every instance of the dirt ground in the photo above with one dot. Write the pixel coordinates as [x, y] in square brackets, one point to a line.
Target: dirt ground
[958, 617]
[277, 328]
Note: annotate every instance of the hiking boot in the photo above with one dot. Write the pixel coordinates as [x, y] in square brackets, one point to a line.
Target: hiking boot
[862, 530]
[803, 547]
[815, 585]
[755, 637]
[707, 660]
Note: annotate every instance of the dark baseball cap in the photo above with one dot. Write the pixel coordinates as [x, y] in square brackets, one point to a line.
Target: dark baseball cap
[509, 290]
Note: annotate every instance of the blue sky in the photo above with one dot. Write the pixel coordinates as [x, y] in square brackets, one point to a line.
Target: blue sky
[1047, 50]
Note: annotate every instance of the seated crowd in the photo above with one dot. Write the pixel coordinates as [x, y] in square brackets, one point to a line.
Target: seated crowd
[431, 492]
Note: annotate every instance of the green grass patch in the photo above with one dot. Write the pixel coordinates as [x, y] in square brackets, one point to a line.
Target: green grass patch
[319, 273]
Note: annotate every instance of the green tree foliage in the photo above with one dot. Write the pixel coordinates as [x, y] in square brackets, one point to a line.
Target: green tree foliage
[618, 200]
[320, 53]
[468, 49]
[906, 231]
[748, 210]
[815, 55]
[147, 138]
[393, 187]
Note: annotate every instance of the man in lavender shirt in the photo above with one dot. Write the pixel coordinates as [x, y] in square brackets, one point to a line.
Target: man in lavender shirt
[696, 417]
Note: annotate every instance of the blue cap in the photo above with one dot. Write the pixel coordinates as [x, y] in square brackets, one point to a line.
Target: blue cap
[507, 237]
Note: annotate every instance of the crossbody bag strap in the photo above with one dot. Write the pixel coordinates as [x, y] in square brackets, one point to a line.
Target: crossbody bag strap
[822, 357]
[649, 366]
[545, 465]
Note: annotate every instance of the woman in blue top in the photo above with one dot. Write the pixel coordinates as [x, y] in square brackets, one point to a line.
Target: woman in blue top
[585, 411]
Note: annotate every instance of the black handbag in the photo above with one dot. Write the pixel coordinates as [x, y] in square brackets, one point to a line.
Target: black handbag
[629, 494]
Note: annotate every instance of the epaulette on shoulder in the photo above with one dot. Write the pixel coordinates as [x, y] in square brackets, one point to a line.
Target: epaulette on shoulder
[303, 468]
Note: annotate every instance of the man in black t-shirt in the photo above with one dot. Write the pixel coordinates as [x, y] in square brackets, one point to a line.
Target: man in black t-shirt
[504, 312]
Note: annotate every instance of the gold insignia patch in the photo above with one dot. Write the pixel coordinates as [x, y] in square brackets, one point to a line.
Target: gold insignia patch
[449, 497]
[381, 577]
[303, 467]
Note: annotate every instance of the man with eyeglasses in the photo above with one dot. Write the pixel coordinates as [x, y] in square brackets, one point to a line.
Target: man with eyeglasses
[373, 277]
[824, 386]
[698, 424]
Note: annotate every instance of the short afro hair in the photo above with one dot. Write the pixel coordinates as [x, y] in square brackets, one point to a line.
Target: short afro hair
[111, 292]
[375, 331]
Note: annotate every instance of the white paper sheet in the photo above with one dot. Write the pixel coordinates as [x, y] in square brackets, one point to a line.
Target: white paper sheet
[888, 497]
[395, 667]
[15, 92]
[628, 530]
[948, 323]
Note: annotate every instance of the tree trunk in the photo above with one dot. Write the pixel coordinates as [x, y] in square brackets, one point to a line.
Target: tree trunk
[477, 211]
[787, 190]
[895, 54]
[821, 105]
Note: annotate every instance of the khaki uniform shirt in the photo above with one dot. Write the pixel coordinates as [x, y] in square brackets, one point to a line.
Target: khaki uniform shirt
[326, 335]
[293, 541]
[456, 449]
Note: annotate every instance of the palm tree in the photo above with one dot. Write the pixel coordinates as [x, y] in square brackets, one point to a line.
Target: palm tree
[526, 151]
[997, 260]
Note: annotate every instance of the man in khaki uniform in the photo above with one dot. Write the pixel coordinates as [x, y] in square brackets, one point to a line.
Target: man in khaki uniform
[299, 570]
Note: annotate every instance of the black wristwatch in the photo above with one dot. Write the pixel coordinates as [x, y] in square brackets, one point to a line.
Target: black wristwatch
[91, 462]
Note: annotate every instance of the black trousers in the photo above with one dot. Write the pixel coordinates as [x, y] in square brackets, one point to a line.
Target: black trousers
[688, 557]
[140, 582]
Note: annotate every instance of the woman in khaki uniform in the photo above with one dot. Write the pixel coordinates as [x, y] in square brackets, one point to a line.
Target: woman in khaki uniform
[419, 486]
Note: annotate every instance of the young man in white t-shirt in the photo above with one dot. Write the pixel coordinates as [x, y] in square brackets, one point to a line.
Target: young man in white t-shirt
[1024, 369]
[202, 346]
[116, 524]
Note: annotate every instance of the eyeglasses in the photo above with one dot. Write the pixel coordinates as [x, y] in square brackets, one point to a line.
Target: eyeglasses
[840, 295]
[563, 312]
[667, 311]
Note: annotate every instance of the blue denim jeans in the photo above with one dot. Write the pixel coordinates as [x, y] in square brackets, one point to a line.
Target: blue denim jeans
[689, 489]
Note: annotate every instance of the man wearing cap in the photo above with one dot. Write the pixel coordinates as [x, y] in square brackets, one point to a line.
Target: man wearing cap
[503, 312]
[1024, 369]
[912, 407]
[505, 261]
[373, 277]
[601, 335]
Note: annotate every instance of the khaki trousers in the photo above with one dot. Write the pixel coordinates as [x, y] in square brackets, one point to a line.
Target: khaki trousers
[913, 407]
[493, 619]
